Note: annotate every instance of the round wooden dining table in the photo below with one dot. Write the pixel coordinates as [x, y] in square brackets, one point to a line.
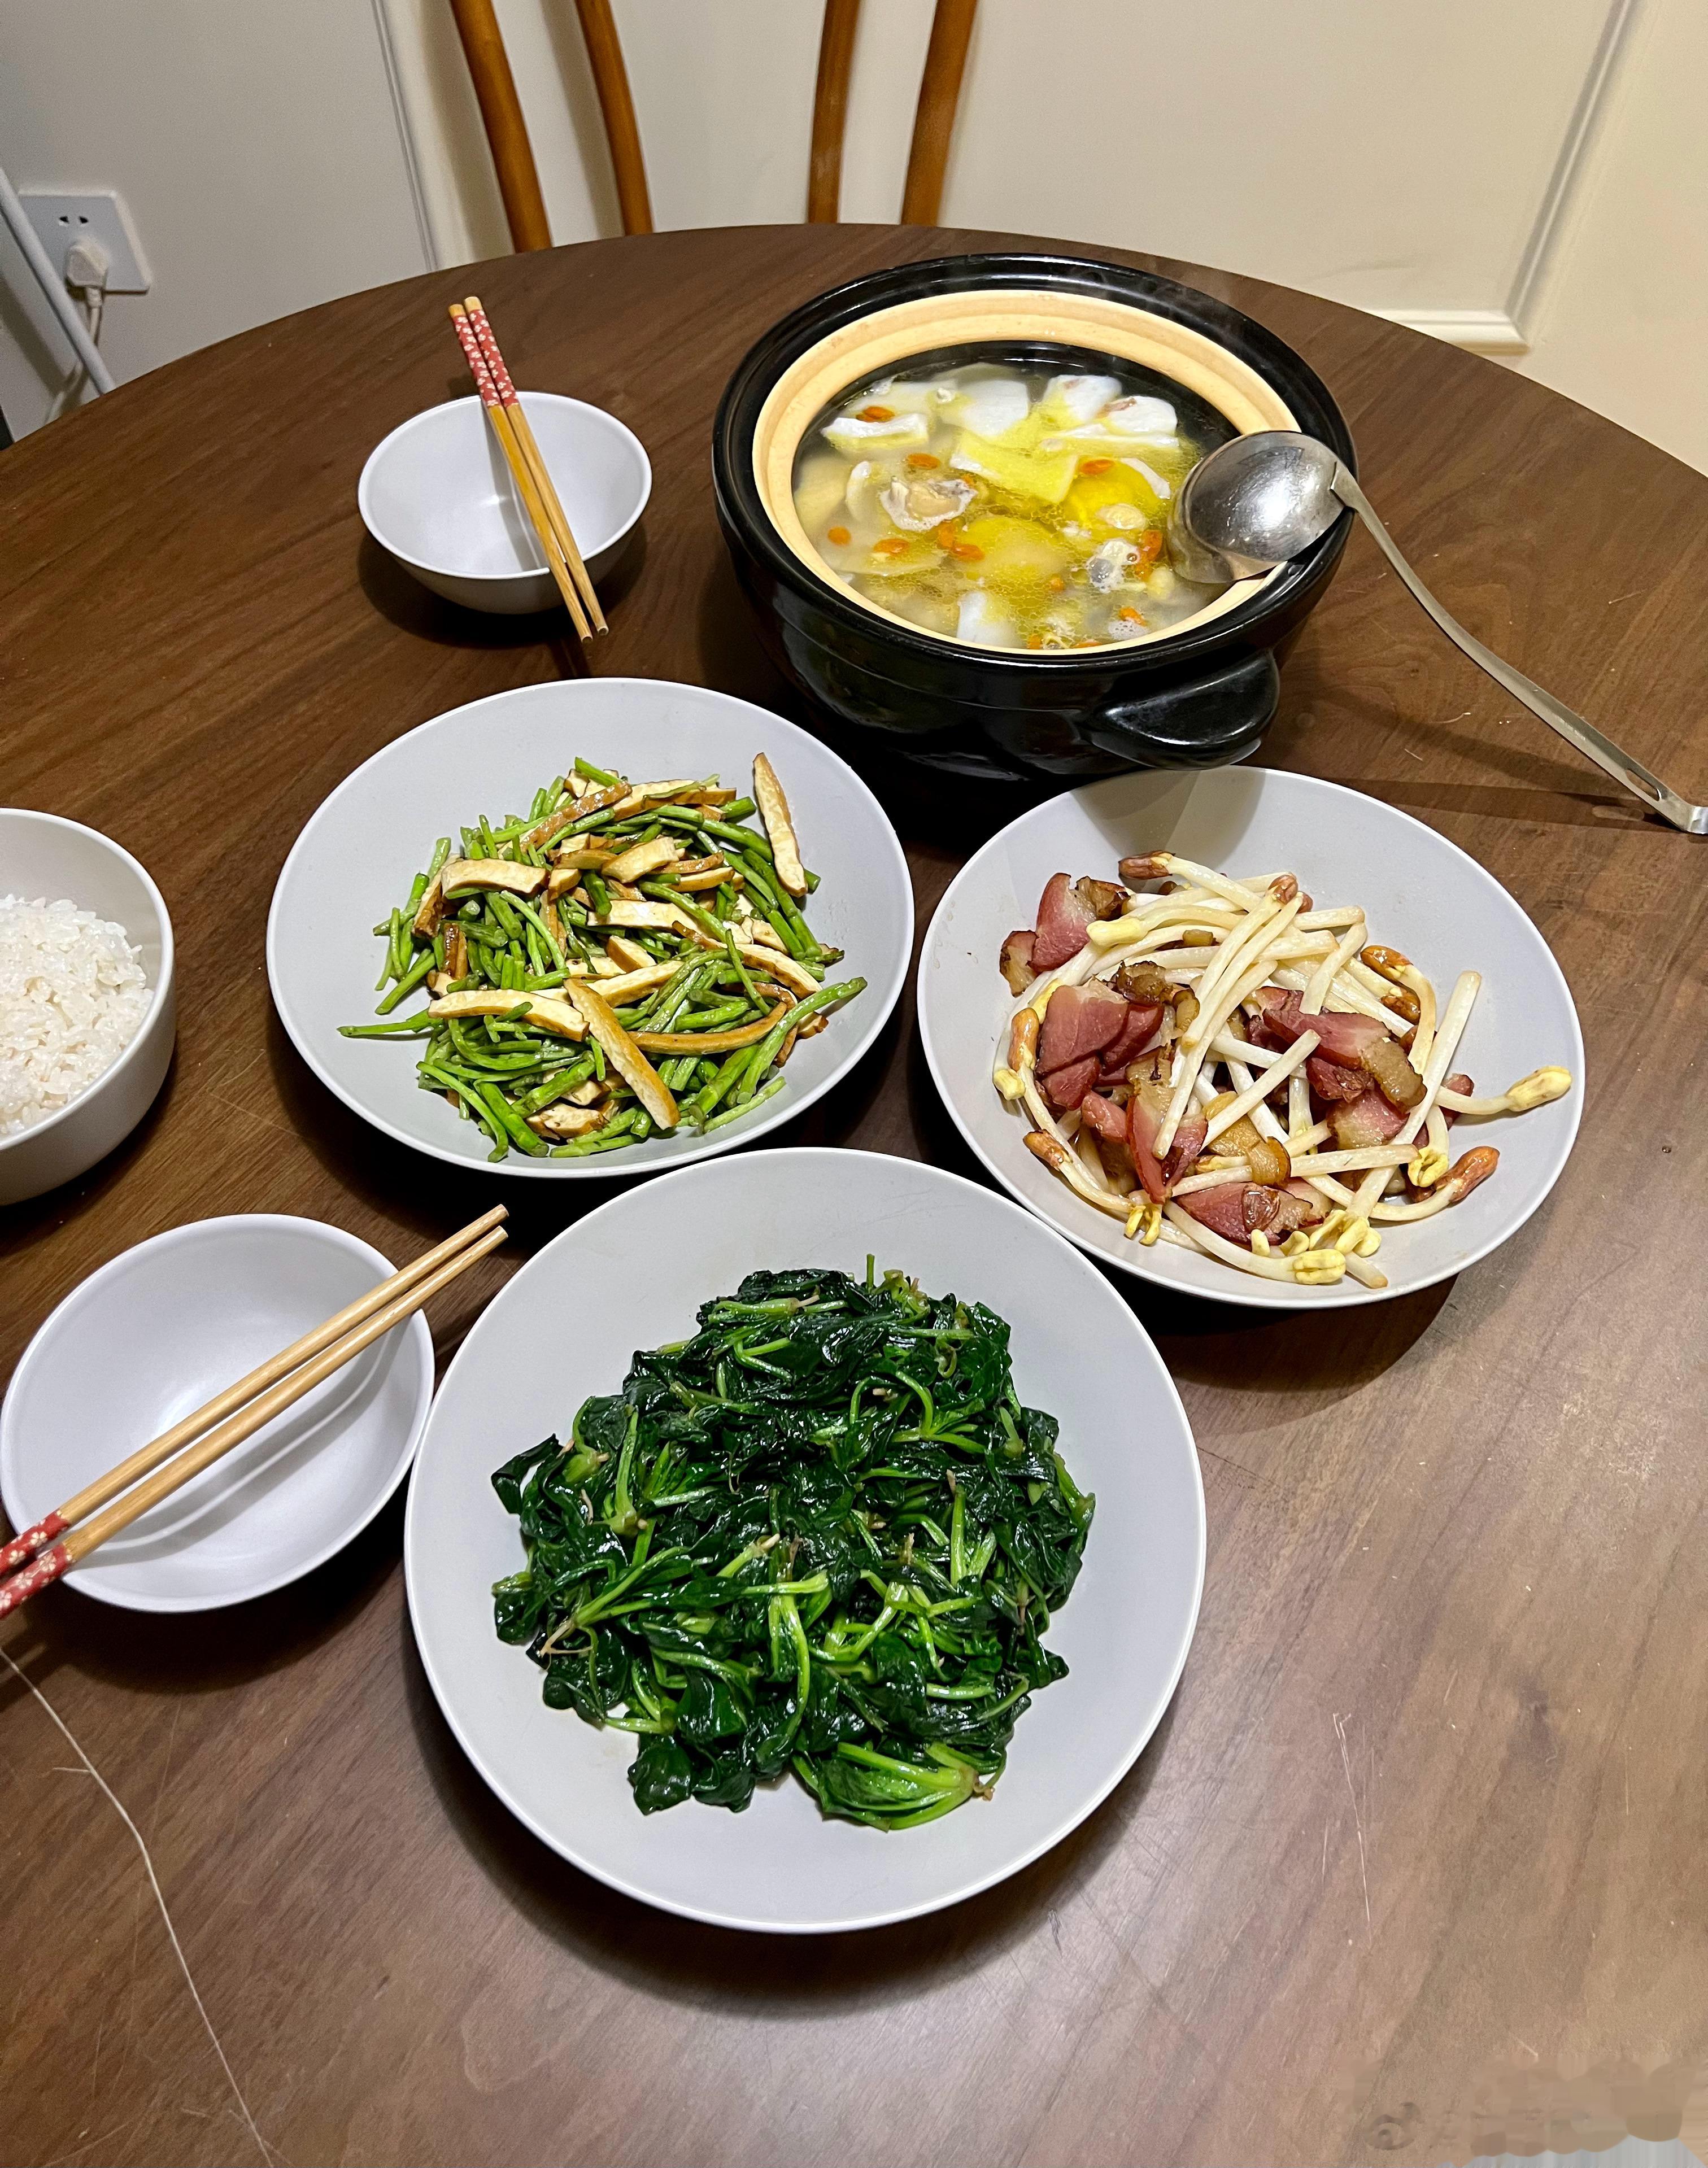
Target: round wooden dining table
[1412, 1868]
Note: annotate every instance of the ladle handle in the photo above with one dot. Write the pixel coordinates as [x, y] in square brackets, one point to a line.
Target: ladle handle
[1588, 741]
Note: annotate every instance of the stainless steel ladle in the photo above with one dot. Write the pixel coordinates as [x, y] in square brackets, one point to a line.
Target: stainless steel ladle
[1261, 500]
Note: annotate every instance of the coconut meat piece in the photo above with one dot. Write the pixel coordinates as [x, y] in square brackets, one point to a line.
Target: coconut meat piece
[990, 408]
[1068, 399]
[897, 432]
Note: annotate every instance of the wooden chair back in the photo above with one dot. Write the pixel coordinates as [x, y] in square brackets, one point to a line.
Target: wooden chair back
[513, 156]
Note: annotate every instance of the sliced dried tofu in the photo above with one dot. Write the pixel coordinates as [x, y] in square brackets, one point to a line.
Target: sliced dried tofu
[560, 883]
[581, 857]
[626, 1057]
[545, 1011]
[504, 874]
[712, 1042]
[636, 982]
[657, 794]
[628, 955]
[430, 910]
[561, 1120]
[456, 954]
[773, 811]
[554, 824]
[714, 877]
[661, 917]
[641, 859]
[784, 967]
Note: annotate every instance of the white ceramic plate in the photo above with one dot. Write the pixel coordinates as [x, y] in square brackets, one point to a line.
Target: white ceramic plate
[1420, 893]
[358, 855]
[158, 1333]
[630, 1275]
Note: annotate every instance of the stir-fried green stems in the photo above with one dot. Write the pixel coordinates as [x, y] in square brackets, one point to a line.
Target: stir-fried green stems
[823, 1534]
[658, 898]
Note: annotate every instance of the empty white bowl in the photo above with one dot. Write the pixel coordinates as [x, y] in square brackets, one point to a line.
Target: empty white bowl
[157, 1333]
[44, 856]
[438, 494]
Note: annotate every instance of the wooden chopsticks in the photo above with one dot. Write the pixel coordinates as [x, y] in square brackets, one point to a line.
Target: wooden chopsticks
[528, 468]
[232, 1415]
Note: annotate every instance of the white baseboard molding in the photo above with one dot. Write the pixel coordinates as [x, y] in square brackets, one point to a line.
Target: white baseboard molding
[1478, 330]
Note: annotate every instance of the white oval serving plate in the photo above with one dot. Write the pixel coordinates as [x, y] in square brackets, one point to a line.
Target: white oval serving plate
[631, 1275]
[1420, 893]
[155, 1334]
[359, 853]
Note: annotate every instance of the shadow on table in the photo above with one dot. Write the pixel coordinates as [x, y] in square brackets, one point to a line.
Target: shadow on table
[692, 1962]
[402, 601]
[22, 1223]
[196, 1652]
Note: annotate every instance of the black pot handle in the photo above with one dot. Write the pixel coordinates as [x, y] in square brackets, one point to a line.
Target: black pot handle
[1195, 722]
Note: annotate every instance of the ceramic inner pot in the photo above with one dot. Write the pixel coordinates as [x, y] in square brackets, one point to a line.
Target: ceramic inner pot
[1200, 692]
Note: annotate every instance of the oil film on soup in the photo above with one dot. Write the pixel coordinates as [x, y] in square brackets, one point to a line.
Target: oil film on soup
[1006, 503]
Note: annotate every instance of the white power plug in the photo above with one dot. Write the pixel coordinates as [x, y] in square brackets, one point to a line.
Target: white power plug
[87, 268]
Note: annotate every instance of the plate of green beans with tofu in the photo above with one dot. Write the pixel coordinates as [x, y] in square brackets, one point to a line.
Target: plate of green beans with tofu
[580, 927]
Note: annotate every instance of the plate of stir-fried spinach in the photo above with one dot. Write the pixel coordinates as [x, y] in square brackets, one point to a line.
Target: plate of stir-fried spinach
[805, 1541]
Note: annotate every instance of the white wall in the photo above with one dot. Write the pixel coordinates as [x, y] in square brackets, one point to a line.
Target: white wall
[255, 146]
[1619, 321]
[1535, 168]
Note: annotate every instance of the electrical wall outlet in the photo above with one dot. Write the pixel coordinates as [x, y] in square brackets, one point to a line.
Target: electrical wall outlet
[98, 215]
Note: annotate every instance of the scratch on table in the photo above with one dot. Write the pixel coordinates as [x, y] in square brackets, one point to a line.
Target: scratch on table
[1357, 1818]
[118, 1807]
[130, 2006]
[118, 2130]
[1451, 1675]
[1627, 1780]
[165, 1770]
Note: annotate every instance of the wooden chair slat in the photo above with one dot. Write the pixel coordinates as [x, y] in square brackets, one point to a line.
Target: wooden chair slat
[830, 111]
[934, 120]
[604, 53]
[507, 132]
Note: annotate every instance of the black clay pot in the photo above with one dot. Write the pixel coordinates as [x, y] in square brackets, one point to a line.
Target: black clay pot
[1200, 697]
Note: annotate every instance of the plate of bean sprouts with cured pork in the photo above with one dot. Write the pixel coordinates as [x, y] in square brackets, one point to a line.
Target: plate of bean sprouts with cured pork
[1253, 1035]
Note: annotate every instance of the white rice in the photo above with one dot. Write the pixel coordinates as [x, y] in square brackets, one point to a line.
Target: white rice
[72, 997]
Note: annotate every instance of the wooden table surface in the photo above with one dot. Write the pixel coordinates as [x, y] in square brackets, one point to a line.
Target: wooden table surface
[1426, 1822]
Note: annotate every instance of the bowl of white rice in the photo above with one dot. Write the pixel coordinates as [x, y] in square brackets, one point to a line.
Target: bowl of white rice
[87, 1014]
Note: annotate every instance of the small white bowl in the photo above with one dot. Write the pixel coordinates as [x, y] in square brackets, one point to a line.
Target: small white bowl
[438, 494]
[156, 1334]
[42, 855]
